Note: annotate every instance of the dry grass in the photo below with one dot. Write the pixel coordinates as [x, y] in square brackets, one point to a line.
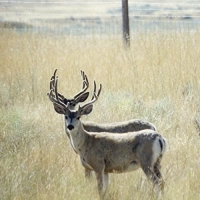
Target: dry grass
[157, 80]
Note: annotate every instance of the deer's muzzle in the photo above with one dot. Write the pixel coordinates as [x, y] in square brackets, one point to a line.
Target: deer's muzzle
[70, 127]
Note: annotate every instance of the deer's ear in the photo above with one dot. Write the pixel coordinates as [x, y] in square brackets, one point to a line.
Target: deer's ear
[87, 109]
[59, 109]
[82, 97]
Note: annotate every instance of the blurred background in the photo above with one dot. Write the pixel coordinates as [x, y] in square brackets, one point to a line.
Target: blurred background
[156, 79]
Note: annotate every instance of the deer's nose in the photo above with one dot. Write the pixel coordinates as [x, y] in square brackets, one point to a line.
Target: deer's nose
[70, 127]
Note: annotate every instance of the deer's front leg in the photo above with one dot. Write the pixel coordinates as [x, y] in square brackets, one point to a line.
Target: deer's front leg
[102, 182]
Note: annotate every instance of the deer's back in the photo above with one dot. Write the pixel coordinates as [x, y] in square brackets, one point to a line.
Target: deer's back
[119, 127]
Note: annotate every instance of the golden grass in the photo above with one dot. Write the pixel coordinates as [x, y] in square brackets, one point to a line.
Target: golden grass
[157, 80]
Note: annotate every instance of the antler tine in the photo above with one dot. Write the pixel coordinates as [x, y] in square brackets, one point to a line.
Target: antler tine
[94, 97]
[83, 76]
[51, 96]
[94, 90]
[55, 101]
[86, 79]
[54, 74]
[99, 91]
[55, 88]
[58, 96]
[52, 80]
[85, 84]
[54, 98]
[52, 84]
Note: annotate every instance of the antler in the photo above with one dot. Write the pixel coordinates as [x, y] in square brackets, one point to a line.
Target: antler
[52, 80]
[94, 97]
[60, 96]
[55, 97]
[59, 105]
[99, 91]
[85, 85]
[53, 85]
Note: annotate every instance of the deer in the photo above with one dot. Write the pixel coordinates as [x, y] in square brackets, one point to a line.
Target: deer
[107, 152]
[115, 127]
[81, 96]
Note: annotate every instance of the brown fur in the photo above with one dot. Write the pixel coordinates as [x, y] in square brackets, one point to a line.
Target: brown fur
[115, 153]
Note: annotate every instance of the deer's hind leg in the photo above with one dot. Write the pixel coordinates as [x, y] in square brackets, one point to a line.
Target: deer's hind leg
[156, 169]
[154, 175]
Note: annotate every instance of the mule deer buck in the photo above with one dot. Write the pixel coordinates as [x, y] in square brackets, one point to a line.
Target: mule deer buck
[116, 127]
[110, 152]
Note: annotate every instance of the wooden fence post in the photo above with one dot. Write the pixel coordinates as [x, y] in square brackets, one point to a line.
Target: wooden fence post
[125, 23]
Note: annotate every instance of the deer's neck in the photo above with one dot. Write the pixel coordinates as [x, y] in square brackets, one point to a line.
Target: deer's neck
[78, 138]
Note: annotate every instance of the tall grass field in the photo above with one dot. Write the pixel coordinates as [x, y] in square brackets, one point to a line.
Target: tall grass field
[157, 79]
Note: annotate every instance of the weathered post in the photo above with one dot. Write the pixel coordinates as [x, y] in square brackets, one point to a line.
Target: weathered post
[125, 23]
